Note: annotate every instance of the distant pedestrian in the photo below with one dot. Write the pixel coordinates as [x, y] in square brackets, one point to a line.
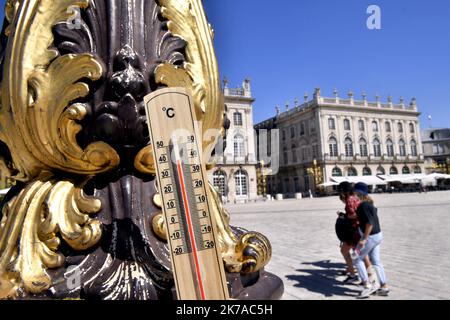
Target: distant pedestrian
[369, 245]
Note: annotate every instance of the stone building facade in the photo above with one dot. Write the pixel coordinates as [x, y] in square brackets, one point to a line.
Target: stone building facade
[235, 174]
[335, 137]
[436, 148]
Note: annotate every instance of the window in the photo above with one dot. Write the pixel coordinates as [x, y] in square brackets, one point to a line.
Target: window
[333, 147]
[348, 147]
[390, 148]
[417, 169]
[351, 172]
[413, 148]
[240, 178]
[361, 125]
[283, 135]
[402, 148]
[302, 129]
[292, 132]
[363, 147]
[296, 185]
[393, 171]
[331, 124]
[375, 126]
[381, 171]
[315, 151]
[304, 154]
[239, 146]
[412, 128]
[367, 171]
[400, 127]
[237, 116]
[438, 149]
[406, 170]
[312, 125]
[219, 182]
[376, 148]
[336, 172]
[285, 156]
[294, 153]
[347, 124]
[286, 185]
[387, 124]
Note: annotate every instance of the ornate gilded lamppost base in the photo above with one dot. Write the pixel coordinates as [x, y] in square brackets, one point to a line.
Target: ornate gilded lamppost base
[84, 219]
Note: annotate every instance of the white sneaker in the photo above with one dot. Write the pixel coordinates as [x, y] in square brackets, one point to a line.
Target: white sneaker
[367, 290]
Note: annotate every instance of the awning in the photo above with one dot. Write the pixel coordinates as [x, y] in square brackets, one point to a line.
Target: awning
[403, 178]
[328, 184]
[369, 180]
[439, 176]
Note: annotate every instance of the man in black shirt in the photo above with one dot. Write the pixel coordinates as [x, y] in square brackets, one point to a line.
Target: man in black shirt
[371, 237]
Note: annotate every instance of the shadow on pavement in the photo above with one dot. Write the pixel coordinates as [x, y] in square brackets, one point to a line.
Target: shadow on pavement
[322, 279]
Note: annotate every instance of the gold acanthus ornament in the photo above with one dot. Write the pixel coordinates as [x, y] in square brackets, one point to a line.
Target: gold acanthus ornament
[39, 122]
[33, 224]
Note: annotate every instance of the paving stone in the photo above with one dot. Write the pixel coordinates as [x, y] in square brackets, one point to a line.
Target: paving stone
[415, 250]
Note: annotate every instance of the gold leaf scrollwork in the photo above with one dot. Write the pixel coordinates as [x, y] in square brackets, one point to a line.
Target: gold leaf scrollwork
[38, 120]
[30, 232]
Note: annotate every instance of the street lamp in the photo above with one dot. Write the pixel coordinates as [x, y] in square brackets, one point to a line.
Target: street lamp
[316, 172]
[261, 179]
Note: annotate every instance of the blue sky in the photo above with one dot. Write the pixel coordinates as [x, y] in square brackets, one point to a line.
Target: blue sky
[289, 47]
[292, 46]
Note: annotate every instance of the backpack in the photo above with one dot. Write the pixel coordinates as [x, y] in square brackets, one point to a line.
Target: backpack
[345, 230]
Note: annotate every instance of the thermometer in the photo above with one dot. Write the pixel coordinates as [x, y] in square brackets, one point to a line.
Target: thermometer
[191, 230]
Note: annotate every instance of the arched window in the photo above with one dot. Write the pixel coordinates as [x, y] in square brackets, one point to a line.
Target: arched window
[240, 178]
[374, 126]
[239, 146]
[417, 170]
[393, 170]
[348, 147]
[381, 171]
[336, 172]
[387, 124]
[406, 170]
[361, 125]
[376, 148]
[352, 172]
[237, 116]
[400, 127]
[412, 128]
[347, 124]
[220, 182]
[390, 148]
[363, 147]
[402, 147]
[367, 171]
[413, 148]
[333, 147]
[331, 124]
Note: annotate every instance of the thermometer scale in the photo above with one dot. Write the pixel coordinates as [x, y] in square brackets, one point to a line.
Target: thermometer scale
[196, 260]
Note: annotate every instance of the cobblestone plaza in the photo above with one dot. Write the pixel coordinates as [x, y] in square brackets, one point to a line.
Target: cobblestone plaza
[415, 250]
